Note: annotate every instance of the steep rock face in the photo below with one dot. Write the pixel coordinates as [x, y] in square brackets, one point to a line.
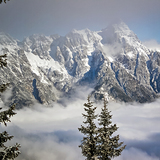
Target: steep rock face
[130, 78]
[154, 69]
[112, 61]
[20, 76]
[38, 45]
[72, 51]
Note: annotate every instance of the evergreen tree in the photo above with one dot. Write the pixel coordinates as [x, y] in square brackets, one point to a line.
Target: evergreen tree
[88, 145]
[10, 152]
[108, 145]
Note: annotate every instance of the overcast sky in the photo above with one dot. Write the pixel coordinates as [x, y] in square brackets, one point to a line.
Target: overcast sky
[21, 18]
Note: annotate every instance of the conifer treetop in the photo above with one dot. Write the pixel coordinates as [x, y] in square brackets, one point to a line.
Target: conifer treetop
[89, 129]
[108, 145]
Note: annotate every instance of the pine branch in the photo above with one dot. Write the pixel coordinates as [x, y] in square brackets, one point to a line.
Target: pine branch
[6, 115]
[11, 152]
[4, 136]
[108, 146]
[88, 144]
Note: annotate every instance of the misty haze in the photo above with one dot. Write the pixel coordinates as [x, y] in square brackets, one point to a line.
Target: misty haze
[59, 53]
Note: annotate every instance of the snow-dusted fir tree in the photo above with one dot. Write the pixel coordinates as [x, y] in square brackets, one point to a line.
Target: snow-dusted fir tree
[108, 145]
[10, 152]
[89, 142]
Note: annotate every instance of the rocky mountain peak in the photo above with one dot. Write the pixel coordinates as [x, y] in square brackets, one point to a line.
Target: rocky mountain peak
[6, 39]
[119, 33]
[46, 68]
[123, 30]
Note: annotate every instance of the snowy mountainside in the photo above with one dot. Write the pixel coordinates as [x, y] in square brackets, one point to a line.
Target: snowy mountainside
[113, 61]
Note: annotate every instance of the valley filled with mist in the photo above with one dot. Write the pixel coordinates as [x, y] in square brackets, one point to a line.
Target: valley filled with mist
[52, 132]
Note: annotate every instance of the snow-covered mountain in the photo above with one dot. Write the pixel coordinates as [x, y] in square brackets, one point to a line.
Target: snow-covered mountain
[113, 61]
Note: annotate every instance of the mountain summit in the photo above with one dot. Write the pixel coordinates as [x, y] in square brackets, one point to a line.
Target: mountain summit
[112, 61]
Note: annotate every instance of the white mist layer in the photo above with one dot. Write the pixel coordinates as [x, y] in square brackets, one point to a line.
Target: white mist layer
[52, 133]
[152, 45]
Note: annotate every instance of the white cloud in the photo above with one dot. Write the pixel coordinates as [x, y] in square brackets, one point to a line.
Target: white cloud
[111, 51]
[48, 148]
[6, 95]
[133, 154]
[52, 133]
[138, 121]
[152, 44]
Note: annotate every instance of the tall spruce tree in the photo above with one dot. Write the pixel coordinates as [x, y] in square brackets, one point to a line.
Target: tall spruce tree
[89, 142]
[10, 152]
[108, 146]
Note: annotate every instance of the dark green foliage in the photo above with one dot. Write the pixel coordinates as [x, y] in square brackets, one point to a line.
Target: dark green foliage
[90, 130]
[10, 152]
[108, 146]
[2, 1]
[4, 137]
[99, 142]
[5, 115]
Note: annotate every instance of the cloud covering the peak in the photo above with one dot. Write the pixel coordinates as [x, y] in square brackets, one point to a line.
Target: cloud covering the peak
[23, 18]
[152, 45]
